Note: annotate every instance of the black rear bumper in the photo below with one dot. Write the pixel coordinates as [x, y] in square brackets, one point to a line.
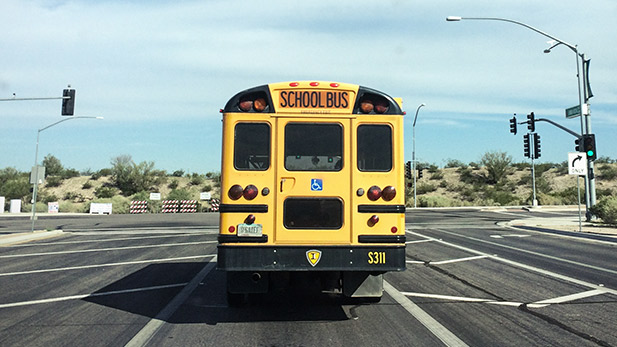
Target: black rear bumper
[311, 258]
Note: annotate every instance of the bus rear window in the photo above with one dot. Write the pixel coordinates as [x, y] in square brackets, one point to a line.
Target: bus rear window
[307, 213]
[313, 147]
[252, 146]
[374, 147]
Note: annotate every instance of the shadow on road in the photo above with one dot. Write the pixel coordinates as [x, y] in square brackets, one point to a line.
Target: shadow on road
[147, 292]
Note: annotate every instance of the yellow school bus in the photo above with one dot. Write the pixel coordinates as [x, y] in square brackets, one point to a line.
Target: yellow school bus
[312, 185]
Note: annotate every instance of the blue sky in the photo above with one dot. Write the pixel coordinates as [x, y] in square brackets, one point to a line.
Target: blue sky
[159, 71]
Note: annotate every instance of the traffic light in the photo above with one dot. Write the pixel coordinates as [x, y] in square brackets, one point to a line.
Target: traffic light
[513, 125]
[577, 146]
[526, 145]
[589, 146]
[531, 119]
[68, 104]
[408, 170]
[536, 146]
[419, 173]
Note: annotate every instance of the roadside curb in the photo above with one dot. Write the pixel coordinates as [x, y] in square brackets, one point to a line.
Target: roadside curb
[10, 239]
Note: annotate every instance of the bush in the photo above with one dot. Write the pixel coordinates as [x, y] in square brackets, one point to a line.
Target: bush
[607, 172]
[49, 198]
[435, 201]
[69, 173]
[173, 184]
[87, 185]
[424, 188]
[103, 192]
[437, 175]
[53, 181]
[196, 179]
[497, 166]
[606, 210]
[179, 194]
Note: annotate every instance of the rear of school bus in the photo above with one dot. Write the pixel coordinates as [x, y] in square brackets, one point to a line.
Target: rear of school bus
[312, 185]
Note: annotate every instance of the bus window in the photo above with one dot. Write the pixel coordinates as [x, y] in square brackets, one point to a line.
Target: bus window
[310, 213]
[374, 147]
[252, 146]
[313, 147]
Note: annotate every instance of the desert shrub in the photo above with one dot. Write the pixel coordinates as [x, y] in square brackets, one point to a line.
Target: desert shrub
[500, 198]
[178, 173]
[424, 188]
[179, 194]
[103, 192]
[607, 172]
[569, 196]
[49, 198]
[69, 173]
[453, 163]
[436, 201]
[53, 181]
[173, 184]
[606, 209]
[196, 179]
[437, 175]
[87, 185]
[207, 188]
[497, 165]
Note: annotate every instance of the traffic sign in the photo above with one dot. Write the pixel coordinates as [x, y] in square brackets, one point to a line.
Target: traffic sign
[573, 112]
[577, 163]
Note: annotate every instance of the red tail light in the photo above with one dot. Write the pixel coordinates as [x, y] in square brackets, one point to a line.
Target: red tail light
[246, 105]
[374, 193]
[250, 192]
[388, 193]
[235, 192]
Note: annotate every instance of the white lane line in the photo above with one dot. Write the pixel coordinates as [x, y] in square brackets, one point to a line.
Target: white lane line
[417, 241]
[521, 265]
[149, 330]
[462, 299]
[91, 295]
[459, 260]
[104, 265]
[105, 249]
[441, 332]
[414, 262]
[567, 298]
[97, 241]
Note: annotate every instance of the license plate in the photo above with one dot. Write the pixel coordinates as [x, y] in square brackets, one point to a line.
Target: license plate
[249, 229]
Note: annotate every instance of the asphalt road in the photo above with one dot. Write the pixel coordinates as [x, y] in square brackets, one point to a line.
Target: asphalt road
[151, 280]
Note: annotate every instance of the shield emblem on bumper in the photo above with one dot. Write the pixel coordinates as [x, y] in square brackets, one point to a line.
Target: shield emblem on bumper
[313, 256]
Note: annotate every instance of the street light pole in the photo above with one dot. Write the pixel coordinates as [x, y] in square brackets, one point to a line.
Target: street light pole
[590, 186]
[35, 187]
[413, 153]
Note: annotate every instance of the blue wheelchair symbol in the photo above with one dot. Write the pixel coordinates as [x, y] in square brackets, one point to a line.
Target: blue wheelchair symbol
[316, 184]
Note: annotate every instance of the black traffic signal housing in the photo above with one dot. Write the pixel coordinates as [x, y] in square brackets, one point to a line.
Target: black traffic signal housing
[68, 104]
[526, 148]
[513, 125]
[531, 122]
[408, 170]
[419, 173]
[536, 146]
[589, 146]
[578, 145]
